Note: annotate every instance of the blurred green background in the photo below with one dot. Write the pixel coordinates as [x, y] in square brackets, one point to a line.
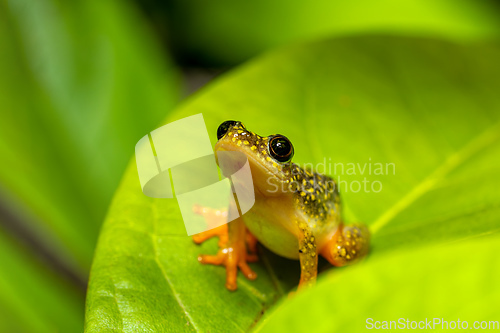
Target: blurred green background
[82, 81]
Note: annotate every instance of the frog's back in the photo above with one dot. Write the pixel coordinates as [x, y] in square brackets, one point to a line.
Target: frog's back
[317, 196]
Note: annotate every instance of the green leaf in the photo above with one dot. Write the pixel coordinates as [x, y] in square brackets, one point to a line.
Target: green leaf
[226, 31]
[428, 110]
[432, 285]
[76, 80]
[32, 297]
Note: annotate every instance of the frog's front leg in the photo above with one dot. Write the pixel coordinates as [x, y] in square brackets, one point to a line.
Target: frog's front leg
[348, 244]
[308, 256]
[233, 254]
[213, 217]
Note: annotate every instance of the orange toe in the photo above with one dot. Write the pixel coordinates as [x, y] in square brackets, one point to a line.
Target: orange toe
[220, 232]
[233, 258]
[216, 224]
[247, 271]
[212, 260]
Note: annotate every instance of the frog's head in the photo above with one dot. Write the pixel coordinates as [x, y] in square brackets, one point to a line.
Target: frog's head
[269, 157]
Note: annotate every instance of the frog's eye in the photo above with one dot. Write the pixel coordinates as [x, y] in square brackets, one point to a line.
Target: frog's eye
[224, 127]
[280, 148]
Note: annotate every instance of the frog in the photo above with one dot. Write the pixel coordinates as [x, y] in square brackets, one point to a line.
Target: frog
[297, 212]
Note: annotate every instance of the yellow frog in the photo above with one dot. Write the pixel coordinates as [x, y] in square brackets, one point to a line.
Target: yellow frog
[297, 212]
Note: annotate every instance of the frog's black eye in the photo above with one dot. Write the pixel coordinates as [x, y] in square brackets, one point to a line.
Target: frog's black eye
[224, 127]
[280, 148]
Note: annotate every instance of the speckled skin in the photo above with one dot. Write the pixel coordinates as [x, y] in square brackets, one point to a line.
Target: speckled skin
[297, 212]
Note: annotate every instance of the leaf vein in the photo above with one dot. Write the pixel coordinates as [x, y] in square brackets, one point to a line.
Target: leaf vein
[486, 138]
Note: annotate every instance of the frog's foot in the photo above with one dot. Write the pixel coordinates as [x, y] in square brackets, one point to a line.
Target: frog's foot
[213, 217]
[237, 247]
[347, 245]
[233, 257]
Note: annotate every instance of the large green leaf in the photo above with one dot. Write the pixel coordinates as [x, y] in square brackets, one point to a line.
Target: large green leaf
[75, 79]
[226, 31]
[429, 107]
[34, 298]
[81, 81]
[453, 283]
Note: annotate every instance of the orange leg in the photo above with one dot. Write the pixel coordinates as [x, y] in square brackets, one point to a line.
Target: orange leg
[233, 241]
